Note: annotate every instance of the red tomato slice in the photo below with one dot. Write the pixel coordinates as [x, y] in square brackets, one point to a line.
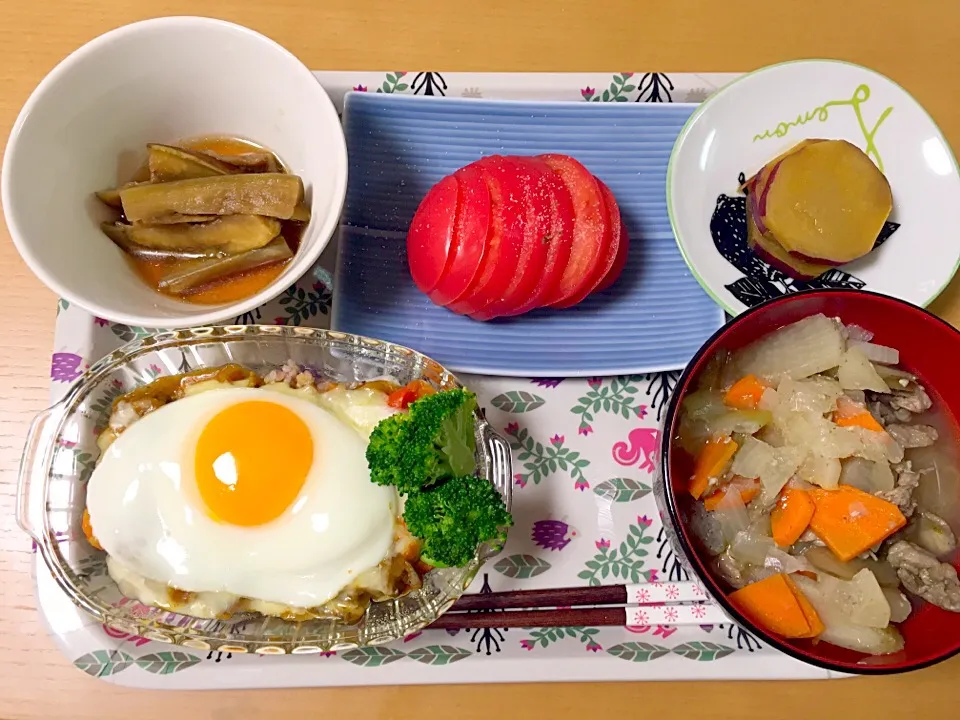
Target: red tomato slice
[536, 206]
[559, 236]
[430, 237]
[471, 228]
[505, 240]
[620, 238]
[591, 233]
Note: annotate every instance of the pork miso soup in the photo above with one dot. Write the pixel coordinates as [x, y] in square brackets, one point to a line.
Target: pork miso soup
[825, 484]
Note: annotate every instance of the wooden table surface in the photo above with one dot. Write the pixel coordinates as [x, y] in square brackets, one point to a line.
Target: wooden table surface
[917, 44]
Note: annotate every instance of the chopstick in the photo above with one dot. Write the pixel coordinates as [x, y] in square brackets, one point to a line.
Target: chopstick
[680, 603]
[640, 593]
[695, 614]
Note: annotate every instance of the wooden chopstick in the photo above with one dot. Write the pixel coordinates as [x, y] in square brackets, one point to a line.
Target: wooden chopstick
[594, 617]
[554, 597]
[641, 593]
[693, 614]
[667, 603]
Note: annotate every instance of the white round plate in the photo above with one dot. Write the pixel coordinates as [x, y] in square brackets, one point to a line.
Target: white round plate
[757, 117]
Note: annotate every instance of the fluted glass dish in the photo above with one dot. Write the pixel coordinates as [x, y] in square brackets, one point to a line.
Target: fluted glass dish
[61, 452]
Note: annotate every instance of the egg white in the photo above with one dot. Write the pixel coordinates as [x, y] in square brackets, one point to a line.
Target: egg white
[146, 510]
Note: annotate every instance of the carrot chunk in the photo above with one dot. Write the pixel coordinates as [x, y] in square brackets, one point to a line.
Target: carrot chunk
[774, 604]
[409, 393]
[748, 488]
[852, 414]
[791, 516]
[745, 393]
[863, 419]
[809, 612]
[401, 399]
[850, 520]
[711, 462]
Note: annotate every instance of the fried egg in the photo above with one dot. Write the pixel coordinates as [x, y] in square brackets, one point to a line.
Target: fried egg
[246, 491]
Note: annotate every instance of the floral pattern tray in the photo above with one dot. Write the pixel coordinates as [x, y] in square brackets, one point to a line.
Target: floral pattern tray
[584, 455]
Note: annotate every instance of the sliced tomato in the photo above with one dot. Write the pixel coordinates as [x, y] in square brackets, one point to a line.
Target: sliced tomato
[591, 233]
[430, 238]
[505, 240]
[559, 237]
[620, 239]
[471, 228]
[534, 177]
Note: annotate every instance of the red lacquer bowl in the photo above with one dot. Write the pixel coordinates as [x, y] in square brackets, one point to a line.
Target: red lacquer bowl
[929, 348]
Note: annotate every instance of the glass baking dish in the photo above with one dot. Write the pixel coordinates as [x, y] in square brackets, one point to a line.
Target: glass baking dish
[61, 452]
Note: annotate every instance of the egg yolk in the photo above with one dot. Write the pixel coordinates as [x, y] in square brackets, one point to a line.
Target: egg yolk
[251, 462]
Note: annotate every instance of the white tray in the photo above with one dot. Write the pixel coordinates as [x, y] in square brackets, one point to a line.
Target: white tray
[583, 481]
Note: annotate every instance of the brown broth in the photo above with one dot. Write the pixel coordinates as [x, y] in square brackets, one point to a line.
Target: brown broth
[229, 289]
[225, 145]
[939, 490]
[235, 287]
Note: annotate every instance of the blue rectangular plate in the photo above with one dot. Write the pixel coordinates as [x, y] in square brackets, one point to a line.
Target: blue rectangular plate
[653, 319]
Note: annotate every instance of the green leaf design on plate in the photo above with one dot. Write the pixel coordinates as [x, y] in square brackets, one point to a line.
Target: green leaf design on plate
[539, 460]
[624, 561]
[517, 401]
[165, 663]
[622, 489]
[521, 566]
[101, 663]
[638, 651]
[439, 654]
[372, 656]
[300, 305]
[702, 651]
[128, 332]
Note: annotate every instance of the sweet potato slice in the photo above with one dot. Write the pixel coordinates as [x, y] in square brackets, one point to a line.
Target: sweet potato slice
[757, 183]
[770, 251]
[826, 202]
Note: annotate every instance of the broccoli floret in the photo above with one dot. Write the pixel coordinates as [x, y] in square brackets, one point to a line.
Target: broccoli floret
[454, 517]
[384, 448]
[430, 443]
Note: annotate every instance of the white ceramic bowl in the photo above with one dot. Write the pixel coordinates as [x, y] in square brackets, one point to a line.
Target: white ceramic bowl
[754, 119]
[85, 128]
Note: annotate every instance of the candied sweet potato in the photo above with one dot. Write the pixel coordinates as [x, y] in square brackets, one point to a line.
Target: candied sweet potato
[826, 202]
